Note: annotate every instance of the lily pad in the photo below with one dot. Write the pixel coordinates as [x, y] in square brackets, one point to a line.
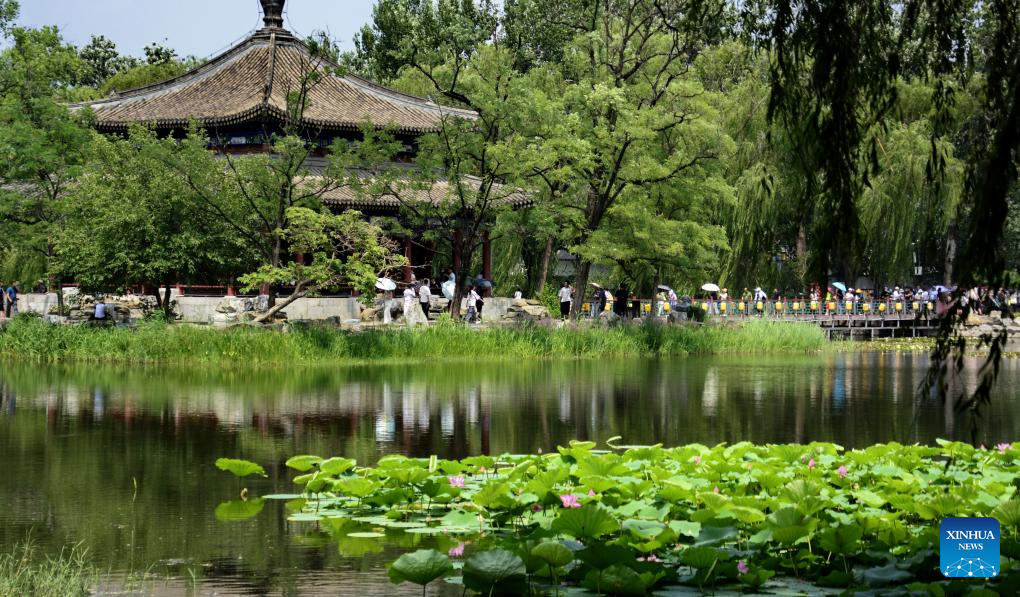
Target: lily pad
[240, 468]
[420, 567]
[366, 535]
[495, 571]
[303, 463]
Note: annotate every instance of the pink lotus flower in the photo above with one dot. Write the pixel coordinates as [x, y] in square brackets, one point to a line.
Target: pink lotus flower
[570, 501]
[456, 552]
[536, 507]
[456, 481]
[715, 489]
[811, 463]
[651, 558]
[1002, 447]
[591, 493]
[750, 465]
[697, 460]
[842, 472]
[742, 567]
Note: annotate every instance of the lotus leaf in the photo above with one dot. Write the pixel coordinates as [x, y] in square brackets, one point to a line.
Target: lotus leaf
[336, 466]
[615, 580]
[881, 576]
[495, 571]
[588, 522]
[842, 539]
[303, 463]
[553, 553]
[240, 468]
[420, 567]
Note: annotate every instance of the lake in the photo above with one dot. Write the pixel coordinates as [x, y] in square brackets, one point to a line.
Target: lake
[122, 458]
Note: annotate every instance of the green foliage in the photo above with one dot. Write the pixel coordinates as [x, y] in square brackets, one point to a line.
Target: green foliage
[156, 342]
[420, 567]
[240, 468]
[854, 519]
[135, 222]
[345, 249]
[24, 571]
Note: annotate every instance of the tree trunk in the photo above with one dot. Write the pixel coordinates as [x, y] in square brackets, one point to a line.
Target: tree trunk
[168, 311]
[802, 252]
[299, 292]
[580, 285]
[543, 273]
[950, 261]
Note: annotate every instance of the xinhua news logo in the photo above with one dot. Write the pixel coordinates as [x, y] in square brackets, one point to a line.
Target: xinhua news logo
[969, 547]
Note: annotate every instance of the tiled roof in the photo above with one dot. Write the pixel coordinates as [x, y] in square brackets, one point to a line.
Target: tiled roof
[441, 191]
[252, 81]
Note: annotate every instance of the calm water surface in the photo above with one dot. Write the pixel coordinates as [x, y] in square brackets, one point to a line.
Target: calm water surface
[122, 459]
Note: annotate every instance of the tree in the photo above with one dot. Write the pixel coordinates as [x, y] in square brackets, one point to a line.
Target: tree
[130, 221]
[254, 194]
[346, 250]
[42, 145]
[102, 61]
[628, 117]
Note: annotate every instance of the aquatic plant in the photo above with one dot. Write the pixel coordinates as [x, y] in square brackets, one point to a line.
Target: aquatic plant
[634, 519]
[25, 571]
[155, 342]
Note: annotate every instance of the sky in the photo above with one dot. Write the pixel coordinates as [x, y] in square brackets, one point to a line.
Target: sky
[200, 28]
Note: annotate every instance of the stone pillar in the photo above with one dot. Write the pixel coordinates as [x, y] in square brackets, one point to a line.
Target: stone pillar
[486, 262]
[408, 252]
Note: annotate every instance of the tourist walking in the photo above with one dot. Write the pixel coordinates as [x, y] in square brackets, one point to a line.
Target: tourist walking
[408, 303]
[472, 305]
[566, 295]
[620, 301]
[11, 295]
[425, 297]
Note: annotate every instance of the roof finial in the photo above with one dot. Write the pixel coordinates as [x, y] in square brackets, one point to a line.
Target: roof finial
[272, 13]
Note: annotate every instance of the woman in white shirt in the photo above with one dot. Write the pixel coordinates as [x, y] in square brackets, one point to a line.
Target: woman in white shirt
[566, 297]
[408, 302]
[424, 297]
[472, 304]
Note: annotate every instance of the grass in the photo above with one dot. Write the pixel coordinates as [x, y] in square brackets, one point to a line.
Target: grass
[23, 571]
[30, 339]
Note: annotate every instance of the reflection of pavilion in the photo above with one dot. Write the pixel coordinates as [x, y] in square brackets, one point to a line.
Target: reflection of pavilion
[240, 98]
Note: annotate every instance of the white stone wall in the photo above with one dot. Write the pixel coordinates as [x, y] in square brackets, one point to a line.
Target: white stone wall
[204, 309]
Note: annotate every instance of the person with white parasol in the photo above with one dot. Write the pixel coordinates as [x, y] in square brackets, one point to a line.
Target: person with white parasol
[712, 289]
[387, 286]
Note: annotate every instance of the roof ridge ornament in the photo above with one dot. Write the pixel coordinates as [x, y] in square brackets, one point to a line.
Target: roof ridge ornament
[272, 13]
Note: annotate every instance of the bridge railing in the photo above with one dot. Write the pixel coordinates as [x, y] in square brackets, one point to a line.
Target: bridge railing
[787, 309]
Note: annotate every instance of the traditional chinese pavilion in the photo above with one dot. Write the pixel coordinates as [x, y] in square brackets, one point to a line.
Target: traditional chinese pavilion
[240, 98]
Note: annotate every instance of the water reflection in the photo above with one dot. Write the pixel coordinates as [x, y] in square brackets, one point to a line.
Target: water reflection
[123, 458]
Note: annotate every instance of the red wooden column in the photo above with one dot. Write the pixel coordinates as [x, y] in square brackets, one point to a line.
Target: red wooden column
[408, 251]
[299, 258]
[231, 291]
[486, 261]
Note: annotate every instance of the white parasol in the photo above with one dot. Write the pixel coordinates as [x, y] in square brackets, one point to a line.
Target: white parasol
[385, 284]
[710, 287]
